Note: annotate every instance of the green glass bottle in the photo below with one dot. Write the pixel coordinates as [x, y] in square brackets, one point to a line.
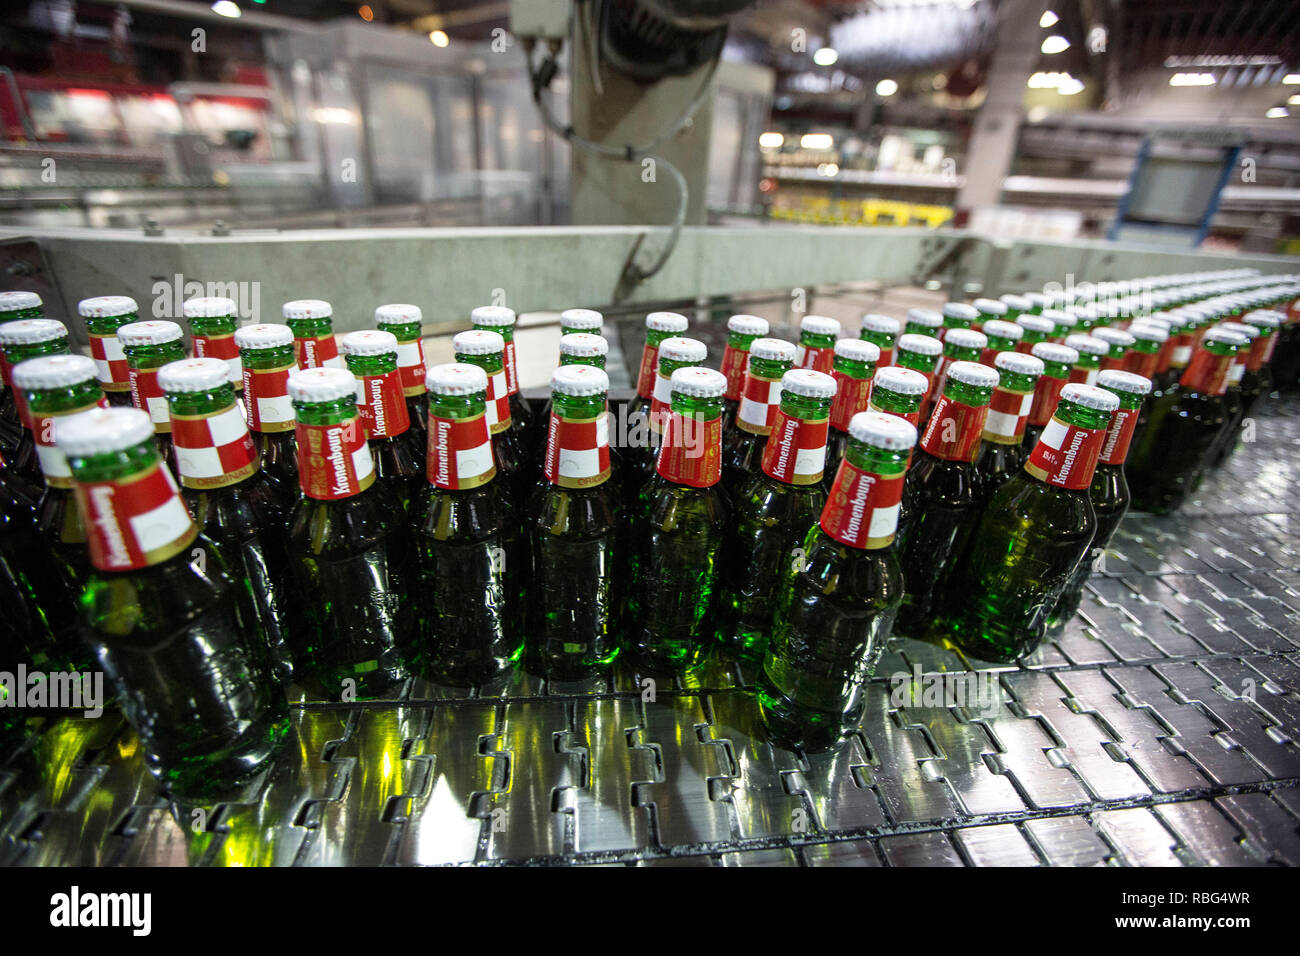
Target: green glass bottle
[1109, 491]
[487, 350]
[1002, 337]
[658, 326]
[836, 604]
[742, 331]
[1017, 305]
[50, 556]
[1259, 380]
[1066, 324]
[312, 324]
[1149, 340]
[1002, 453]
[959, 315]
[1038, 302]
[1057, 361]
[19, 341]
[174, 628]
[470, 551]
[1234, 402]
[577, 530]
[941, 502]
[1170, 453]
[1034, 329]
[14, 307]
[882, 331]
[924, 322]
[583, 321]
[232, 501]
[817, 335]
[855, 367]
[1031, 537]
[677, 526]
[921, 353]
[349, 548]
[266, 354]
[742, 448]
[988, 309]
[1119, 344]
[148, 347]
[499, 319]
[371, 356]
[1091, 351]
[212, 321]
[674, 352]
[774, 510]
[898, 391]
[104, 315]
[406, 323]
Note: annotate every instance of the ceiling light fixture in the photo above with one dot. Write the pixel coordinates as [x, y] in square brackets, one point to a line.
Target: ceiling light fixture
[1055, 44]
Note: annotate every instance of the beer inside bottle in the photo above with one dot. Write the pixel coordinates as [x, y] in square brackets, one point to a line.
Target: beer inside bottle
[855, 367]
[266, 354]
[19, 341]
[311, 322]
[1001, 453]
[577, 535]
[371, 356]
[469, 545]
[231, 500]
[406, 323]
[174, 627]
[774, 510]
[1031, 537]
[104, 315]
[499, 319]
[1171, 452]
[674, 352]
[742, 330]
[348, 548]
[817, 335]
[882, 331]
[1108, 491]
[677, 526]
[14, 307]
[835, 604]
[742, 451]
[941, 500]
[148, 347]
[212, 321]
[487, 350]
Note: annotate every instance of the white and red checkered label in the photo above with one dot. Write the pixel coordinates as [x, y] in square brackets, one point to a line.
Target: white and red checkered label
[382, 405]
[334, 460]
[759, 401]
[862, 509]
[135, 523]
[410, 362]
[221, 347]
[577, 451]
[110, 363]
[266, 399]
[1008, 416]
[498, 402]
[460, 453]
[54, 464]
[795, 452]
[147, 394]
[213, 451]
[819, 359]
[320, 351]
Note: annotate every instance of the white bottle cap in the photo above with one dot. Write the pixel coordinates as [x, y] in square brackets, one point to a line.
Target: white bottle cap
[102, 430]
[883, 431]
[53, 371]
[455, 378]
[478, 342]
[698, 382]
[747, 325]
[808, 383]
[264, 335]
[325, 384]
[579, 380]
[398, 313]
[194, 375]
[369, 342]
[209, 306]
[153, 332]
[103, 306]
[307, 309]
[681, 349]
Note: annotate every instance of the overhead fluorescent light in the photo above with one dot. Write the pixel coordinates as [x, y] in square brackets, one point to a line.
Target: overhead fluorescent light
[1048, 19]
[886, 88]
[825, 56]
[1055, 44]
[1192, 79]
[771, 140]
[816, 141]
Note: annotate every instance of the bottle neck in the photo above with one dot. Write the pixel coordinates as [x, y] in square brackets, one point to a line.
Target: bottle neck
[498, 392]
[41, 407]
[410, 355]
[957, 422]
[760, 395]
[895, 403]
[692, 447]
[333, 458]
[314, 345]
[862, 509]
[734, 360]
[380, 397]
[852, 390]
[595, 361]
[14, 354]
[1009, 408]
[266, 388]
[1119, 432]
[577, 441]
[1069, 448]
[1207, 372]
[917, 362]
[795, 452]
[213, 446]
[459, 454]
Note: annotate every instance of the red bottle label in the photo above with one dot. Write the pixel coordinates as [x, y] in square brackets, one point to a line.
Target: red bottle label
[54, 464]
[577, 451]
[221, 347]
[862, 508]
[796, 450]
[1140, 363]
[498, 402]
[819, 359]
[4, 369]
[317, 352]
[734, 363]
[759, 400]
[953, 431]
[852, 395]
[1047, 392]
[334, 460]
[886, 357]
[135, 523]
[1114, 449]
[410, 363]
[1080, 374]
[1066, 455]
[1008, 416]
[512, 372]
[1207, 373]
[460, 453]
[1166, 354]
[266, 399]
[692, 451]
[110, 363]
[645, 379]
[1109, 362]
[146, 394]
[213, 451]
[382, 405]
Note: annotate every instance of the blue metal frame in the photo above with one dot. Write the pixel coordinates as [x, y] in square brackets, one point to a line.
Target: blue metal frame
[1198, 231]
